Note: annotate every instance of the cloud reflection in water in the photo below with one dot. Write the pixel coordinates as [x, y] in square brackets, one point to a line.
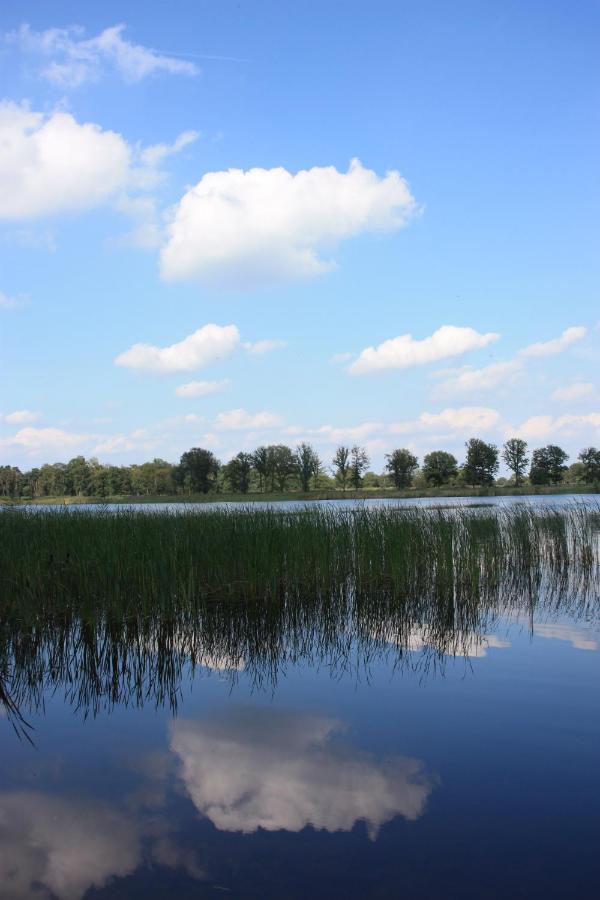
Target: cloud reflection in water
[267, 769]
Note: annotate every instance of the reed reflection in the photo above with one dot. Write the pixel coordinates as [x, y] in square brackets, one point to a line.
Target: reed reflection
[341, 590]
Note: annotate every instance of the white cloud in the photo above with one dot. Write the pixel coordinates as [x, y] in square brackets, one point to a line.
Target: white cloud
[465, 419]
[42, 440]
[539, 427]
[575, 391]
[139, 440]
[404, 351]
[61, 847]
[469, 380]
[264, 346]
[340, 358]
[240, 420]
[52, 164]
[246, 227]
[77, 60]
[204, 346]
[21, 417]
[272, 770]
[337, 434]
[557, 345]
[152, 156]
[201, 388]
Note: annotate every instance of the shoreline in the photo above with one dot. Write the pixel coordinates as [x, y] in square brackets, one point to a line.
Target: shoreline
[298, 496]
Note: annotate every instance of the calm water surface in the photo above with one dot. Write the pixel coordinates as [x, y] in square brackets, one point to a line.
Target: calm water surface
[428, 759]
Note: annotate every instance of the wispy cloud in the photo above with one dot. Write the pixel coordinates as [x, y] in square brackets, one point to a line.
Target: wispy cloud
[576, 391]
[506, 373]
[201, 388]
[21, 417]
[557, 345]
[265, 346]
[76, 60]
[240, 420]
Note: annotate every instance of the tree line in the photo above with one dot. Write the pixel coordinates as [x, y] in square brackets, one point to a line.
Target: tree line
[277, 468]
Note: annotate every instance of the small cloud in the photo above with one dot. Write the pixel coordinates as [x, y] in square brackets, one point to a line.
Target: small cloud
[201, 388]
[152, 156]
[540, 427]
[240, 420]
[7, 302]
[204, 346]
[45, 440]
[470, 380]
[259, 347]
[338, 358]
[575, 391]
[404, 352]
[465, 419]
[21, 417]
[557, 345]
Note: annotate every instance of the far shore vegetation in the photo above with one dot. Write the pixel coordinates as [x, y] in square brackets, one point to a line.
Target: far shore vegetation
[278, 472]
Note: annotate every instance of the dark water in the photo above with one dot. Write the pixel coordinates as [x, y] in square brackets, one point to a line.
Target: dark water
[446, 753]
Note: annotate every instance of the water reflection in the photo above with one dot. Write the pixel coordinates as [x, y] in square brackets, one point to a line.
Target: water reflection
[243, 770]
[579, 637]
[250, 769]
[52, 846]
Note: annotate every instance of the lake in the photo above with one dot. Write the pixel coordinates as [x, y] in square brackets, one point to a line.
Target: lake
[441, 744]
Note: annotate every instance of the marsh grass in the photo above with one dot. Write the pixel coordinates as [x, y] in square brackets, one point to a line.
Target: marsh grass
[117, 606]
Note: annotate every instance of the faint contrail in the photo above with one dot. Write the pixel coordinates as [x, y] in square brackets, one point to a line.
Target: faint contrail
[203, 56]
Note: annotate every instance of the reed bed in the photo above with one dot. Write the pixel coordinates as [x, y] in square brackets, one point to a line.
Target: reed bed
[116, 606]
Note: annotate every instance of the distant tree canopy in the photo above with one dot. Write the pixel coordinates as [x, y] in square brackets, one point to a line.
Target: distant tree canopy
[279, 468]
[439, 467]
[402, 465]
[481, 463]
[548, 465]
[590, 460]
[341, 466]
[237, 473]
[197, 472]
[308, 465]
[514, 454]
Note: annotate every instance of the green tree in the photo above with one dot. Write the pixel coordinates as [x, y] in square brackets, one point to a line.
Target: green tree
[548, 465]
[10, 481]
[341, 466]
[261, 462]
[402, 465]
[359, 463]
[198, 469]
[237, 472]
[439, 467]
[514, 454]
[78, 476]
[282, 465]
[308, 465]
[590, 459]
[481, 463]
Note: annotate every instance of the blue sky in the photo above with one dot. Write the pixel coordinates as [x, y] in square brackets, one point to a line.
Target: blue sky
[194, 168]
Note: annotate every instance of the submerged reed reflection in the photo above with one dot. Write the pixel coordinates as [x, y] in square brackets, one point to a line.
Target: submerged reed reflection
[119, 609]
